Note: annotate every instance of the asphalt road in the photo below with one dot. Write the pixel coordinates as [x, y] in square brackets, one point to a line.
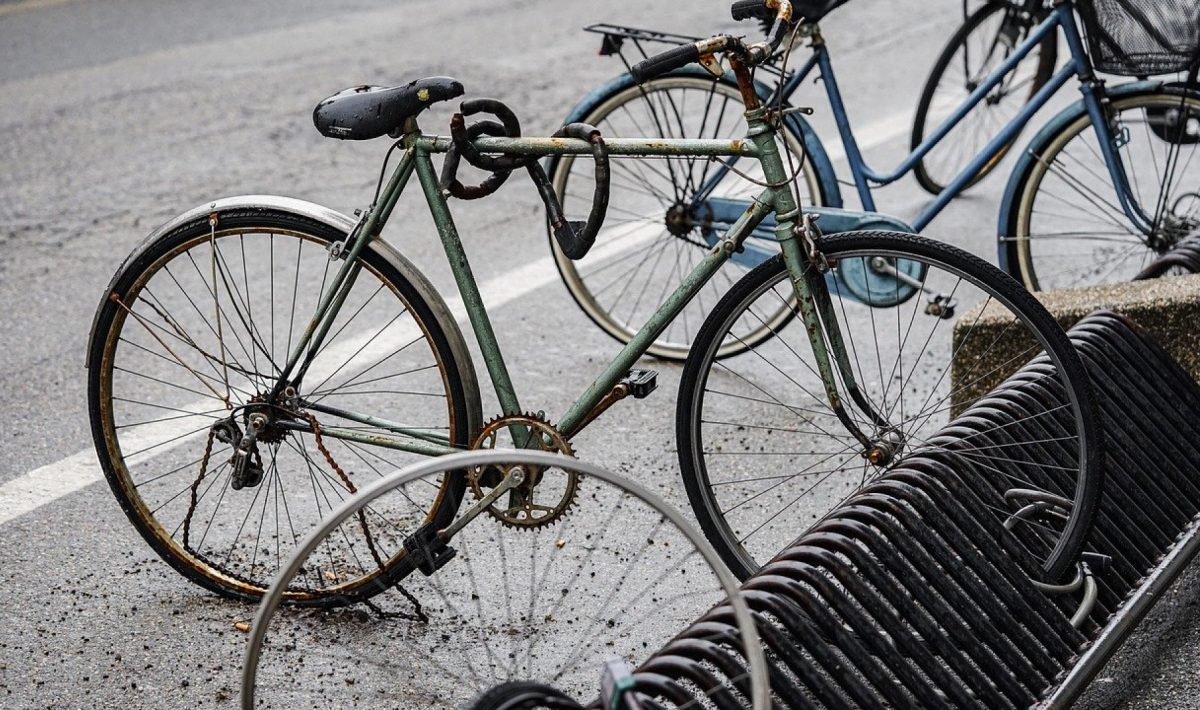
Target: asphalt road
[119, 114]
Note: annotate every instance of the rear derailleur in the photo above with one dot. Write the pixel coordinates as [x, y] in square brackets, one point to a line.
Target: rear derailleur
[246, 462]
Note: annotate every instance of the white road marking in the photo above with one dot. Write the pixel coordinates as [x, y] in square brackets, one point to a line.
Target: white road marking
[48, 483]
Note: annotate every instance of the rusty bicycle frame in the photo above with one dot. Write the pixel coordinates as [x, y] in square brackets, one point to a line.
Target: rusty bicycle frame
[776, 197]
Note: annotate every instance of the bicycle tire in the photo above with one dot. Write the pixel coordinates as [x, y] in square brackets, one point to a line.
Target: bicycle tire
[589, 278]
[542, 605]
[1044, 57]
[522, 695]
[721, 459]
[142, 290]
[1065, 226]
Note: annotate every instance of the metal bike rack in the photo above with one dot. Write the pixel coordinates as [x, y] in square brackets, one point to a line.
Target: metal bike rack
[914, 594]
[1184, 256]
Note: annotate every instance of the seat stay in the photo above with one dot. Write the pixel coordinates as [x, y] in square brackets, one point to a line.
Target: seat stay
[368, 228]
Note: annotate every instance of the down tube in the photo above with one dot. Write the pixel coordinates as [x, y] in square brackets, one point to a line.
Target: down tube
[692, 283]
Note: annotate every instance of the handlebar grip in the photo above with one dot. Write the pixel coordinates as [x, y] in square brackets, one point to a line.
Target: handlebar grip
[669, 60]
[751, 10]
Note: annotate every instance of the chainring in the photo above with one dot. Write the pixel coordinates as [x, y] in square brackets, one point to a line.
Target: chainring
[524, 506]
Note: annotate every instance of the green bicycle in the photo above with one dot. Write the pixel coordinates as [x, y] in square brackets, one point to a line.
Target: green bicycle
[257, 360]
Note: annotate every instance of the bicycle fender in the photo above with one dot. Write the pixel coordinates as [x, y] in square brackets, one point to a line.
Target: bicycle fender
[1036, 145]
[327, 216]
[831, 193]
[342, 223]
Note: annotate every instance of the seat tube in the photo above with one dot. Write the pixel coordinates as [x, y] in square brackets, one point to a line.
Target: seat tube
[467, 287]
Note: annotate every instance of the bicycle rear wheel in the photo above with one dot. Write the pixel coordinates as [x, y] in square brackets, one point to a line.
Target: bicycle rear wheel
[655, 232]
[192, 334]
[981, 44]
[764, 456]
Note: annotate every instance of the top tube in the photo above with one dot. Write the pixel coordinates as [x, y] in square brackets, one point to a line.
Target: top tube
[664, 147]
[994, 79]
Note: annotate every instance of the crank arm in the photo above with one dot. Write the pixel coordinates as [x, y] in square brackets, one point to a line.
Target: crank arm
[515, 478]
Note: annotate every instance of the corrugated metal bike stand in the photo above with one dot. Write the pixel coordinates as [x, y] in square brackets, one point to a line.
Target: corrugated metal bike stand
[913, 594]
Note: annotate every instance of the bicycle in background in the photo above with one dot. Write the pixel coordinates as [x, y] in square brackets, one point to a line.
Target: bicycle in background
[1105, 186]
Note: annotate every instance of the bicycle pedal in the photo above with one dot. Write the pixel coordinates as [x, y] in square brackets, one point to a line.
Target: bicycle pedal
[641, 382]
[428, 550]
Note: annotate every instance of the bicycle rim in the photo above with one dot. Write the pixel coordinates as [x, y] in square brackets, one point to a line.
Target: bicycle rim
[1070, 229]
[548, 605]
[205, 317]
[764, 457]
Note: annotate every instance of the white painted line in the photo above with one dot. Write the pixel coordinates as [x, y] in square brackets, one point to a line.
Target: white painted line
[32, 490]
[885, 130]
[48, 483]
[875, 134]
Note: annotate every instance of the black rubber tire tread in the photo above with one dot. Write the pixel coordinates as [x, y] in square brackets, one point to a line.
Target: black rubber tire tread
[100, 369]
[694, 377]
[501, 697]
[1047, 53]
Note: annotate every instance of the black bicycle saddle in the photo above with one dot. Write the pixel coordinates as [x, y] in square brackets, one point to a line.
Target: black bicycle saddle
[364, 112]
[813, 10]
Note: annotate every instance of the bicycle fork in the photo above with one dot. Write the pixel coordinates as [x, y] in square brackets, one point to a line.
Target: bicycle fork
[807, 267]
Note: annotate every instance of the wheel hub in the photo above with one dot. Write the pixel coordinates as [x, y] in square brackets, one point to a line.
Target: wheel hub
[885, 448]
[254, 423]
[268, 415]
[678, 220]
[1178, 224]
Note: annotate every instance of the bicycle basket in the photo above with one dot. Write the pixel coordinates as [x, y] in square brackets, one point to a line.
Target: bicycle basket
[1141, 37]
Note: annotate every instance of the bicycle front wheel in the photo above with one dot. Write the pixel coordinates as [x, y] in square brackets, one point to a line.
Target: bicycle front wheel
[655, 233]
[929, 331]
[1067, 226]
[981, 44]
[188, 345]
[547, 605]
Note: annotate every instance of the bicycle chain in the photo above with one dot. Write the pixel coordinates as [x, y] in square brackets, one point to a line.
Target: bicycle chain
[187, 519]
[362, 518]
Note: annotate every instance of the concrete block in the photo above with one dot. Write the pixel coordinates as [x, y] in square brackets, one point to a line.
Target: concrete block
[1167, 308]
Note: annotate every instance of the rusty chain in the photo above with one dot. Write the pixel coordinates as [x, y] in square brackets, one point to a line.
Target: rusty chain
[187, 519]
[362, 519]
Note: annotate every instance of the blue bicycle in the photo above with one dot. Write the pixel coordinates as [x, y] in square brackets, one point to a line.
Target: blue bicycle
[1104, 187]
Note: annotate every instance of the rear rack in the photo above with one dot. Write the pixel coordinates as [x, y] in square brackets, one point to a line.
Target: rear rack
[613, 39]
